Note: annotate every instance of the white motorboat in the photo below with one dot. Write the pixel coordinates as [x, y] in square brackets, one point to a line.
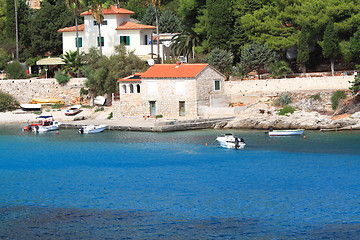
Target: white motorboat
[30, 107]
[230, 141]
[293, 132]
[47, 124]
[72, 110]
[92, 129]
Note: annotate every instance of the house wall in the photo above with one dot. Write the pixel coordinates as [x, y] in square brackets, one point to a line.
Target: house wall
[166, 98]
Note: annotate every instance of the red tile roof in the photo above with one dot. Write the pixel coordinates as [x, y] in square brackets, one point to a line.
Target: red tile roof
[131, 25]
[132, 78]
[72, 29]
[111, 10]
[174, 71]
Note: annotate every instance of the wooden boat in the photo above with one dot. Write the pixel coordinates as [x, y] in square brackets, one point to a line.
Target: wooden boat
[230, 141]
[30, 107]
[294, 132]
[46, 101]
[72, 110]
[92, 129]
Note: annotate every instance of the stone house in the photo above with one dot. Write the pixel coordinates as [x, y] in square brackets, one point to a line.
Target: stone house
[117, 28]
[170, 90]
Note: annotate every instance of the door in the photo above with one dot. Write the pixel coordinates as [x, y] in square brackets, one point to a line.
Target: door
[152, 108]
[181, 108]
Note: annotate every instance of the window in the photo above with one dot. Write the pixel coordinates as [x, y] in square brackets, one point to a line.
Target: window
[131, 88]
[102, 23]
[124, 88]
[146, 40]
[138, 88]
[217, 85]
[125, 40]
[102, 41]
[80, 42]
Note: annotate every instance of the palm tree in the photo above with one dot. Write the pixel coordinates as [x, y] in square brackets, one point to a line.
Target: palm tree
[97, 13]
[184, 43]
[156, 4]
[75, 6]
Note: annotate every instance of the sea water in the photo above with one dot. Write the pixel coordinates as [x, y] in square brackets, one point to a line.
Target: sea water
[178, 185]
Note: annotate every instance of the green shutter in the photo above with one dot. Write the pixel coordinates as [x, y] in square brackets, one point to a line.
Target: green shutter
[80, 42]
[217, 85]
[102, 41]
[127, 40]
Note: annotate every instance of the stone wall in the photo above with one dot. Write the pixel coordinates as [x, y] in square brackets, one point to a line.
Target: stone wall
[25, 90]
[251, 90]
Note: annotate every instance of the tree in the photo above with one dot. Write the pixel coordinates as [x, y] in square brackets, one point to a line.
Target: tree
[75, 6]
[73, 61]
[355, 85]
[279, 69]
[169, 22]
[156, 4]
[184, 43]
[8, 102]
[330, 45]
[4, 58]
[52, 16]
[355, 45]
[256, 57]
[221, 60]
[97, 13]
[149, 16]
[14, 70]
[303, 50]
[103, 72]
[219, 29]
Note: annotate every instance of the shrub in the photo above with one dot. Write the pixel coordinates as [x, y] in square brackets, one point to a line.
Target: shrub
[286, 110]
[14, 70]
[316, 97]
[8, 102]
[283, 100]
[61, 77]
[99, 109]
[159, 116]
[355, 85]
[110, 116]
[336, 97]
[57, 106]
[280, 69]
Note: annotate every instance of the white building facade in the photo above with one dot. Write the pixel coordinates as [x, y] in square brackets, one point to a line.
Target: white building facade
[117, 28]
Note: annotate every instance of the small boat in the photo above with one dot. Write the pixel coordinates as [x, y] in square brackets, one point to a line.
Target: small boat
[30, 107]
[72, 110]
[294, 132]
[46, 101]
[99, 100]
[230, 141]
[47, 124]
[92, 129]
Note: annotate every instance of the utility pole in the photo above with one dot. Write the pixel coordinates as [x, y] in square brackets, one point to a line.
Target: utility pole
[16, 32]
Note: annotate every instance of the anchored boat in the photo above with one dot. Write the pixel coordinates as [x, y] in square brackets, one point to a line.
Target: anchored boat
[294, 132]
[92, 129]
[230, 141]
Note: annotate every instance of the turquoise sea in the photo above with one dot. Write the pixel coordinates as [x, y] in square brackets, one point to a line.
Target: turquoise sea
[143, 185]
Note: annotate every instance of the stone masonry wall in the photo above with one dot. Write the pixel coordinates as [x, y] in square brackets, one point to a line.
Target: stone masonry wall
[25, 90]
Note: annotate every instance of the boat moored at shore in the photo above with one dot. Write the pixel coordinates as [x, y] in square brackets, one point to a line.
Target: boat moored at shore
[230, 141]
[92, 129]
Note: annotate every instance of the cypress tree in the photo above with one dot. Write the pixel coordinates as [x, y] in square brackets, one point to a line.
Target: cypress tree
[303, 50]
[330, 45]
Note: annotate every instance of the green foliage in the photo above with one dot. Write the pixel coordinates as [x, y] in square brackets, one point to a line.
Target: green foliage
[336, 97]
[282, 100]
[169, 22]
[14, 70]
[330, 44]
[52, 16]
[83, 91]
[57, 106]
[8, 102]
[149, 16]
[219, 29]
[355, 85]
[73, 62]
[345, 51]
[4, 58]
[111, 115]
[286, 110]
[355, 45]
[316, 97]
[256, 57]
[61, 77]
[220, 59]
[103, 72]
[303, 49]
[159, 116]
[99, 109]
[280, 69]
[184, 43]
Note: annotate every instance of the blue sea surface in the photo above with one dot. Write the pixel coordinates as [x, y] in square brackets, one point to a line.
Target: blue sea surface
[178, 185]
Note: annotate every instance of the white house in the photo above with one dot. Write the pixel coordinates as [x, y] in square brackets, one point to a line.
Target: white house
[117, 28]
